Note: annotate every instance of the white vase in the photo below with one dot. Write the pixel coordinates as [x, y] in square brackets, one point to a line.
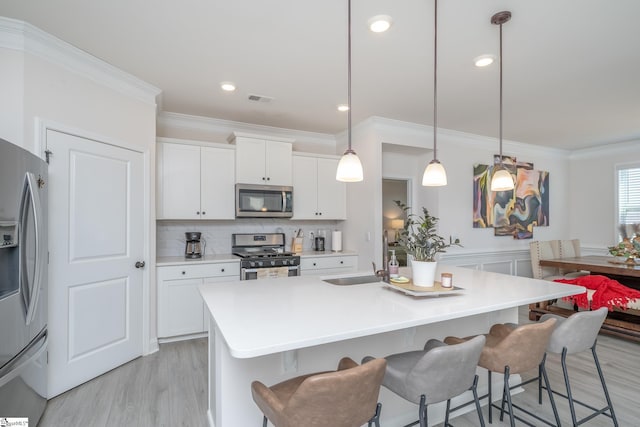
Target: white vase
[423, 273]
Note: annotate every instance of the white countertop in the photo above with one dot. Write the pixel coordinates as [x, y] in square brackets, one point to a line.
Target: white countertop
[314, 254]
[212, 259]
[260, 317]
[207, 259]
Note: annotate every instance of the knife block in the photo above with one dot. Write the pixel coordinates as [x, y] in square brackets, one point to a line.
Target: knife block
[296, 244]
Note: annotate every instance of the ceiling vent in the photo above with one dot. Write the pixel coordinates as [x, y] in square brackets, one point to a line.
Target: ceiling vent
[259, 98]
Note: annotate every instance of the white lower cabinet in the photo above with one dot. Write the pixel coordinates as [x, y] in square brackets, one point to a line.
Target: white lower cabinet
[181, 310]
[328, 264]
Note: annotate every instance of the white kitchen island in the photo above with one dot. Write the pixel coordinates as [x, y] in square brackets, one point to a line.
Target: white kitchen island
[274, 329]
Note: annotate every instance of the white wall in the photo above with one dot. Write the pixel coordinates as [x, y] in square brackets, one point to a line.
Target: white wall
[452, 204]
[11, 88]
[592, 199]
[48, 81]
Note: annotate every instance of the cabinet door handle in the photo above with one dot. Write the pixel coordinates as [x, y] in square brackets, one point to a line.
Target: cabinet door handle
[314, 264]
[198, 213]
[341, 262]
[319, 213]
[263, 178]
[204, 213]
[268, 179]
[222, 270]
[184, 272]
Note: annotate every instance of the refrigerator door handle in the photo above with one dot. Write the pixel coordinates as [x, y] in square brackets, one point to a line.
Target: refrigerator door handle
[28, 356]
[31, 291]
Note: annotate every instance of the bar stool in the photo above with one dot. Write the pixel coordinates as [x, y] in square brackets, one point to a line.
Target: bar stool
[435, 374]
[575, 334]
[512, 350]
[344, 398]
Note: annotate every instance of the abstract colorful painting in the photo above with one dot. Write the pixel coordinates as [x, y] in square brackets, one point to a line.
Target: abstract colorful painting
[513, 212]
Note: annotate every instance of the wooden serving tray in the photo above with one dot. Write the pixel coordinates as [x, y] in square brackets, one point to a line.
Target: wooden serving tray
[410, 289]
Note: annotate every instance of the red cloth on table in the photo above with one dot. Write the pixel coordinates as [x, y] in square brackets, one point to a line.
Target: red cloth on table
[608, 292]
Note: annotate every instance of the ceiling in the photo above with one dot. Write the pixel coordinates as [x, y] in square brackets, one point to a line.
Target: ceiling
[571, 67]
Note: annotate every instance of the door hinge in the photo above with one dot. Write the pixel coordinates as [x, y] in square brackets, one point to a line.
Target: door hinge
[48, 154]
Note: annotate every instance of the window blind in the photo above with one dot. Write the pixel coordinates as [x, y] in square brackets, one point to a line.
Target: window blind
[629, 195]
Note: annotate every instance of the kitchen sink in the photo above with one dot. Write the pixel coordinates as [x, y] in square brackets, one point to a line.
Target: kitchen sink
[354, 280]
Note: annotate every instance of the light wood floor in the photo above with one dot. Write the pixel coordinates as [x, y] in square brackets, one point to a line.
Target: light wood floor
[169, 388]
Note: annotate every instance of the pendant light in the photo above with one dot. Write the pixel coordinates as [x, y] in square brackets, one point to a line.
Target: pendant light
[434, 174]
[502, 179]
[349, 167]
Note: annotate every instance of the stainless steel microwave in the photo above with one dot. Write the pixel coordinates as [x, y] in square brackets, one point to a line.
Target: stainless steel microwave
[263, 201]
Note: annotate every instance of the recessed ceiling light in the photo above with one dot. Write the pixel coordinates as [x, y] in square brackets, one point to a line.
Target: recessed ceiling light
[380, 23]
[228, 86]
[484, 60]
[343, 107]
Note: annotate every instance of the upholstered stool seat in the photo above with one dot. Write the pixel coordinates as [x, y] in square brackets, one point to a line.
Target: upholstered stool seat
[575, 334]
[513, 350]
[435, 374]
[344, 398]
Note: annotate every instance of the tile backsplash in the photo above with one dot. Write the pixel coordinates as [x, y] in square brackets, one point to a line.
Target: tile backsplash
[170, 240]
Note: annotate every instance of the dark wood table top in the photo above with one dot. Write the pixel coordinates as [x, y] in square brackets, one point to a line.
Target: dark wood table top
[594, 264]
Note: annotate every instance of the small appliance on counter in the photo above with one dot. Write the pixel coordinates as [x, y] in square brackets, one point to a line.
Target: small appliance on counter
[195, 245]
[318, 244]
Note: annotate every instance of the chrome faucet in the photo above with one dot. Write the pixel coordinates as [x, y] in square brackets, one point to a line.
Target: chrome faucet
[384, 272]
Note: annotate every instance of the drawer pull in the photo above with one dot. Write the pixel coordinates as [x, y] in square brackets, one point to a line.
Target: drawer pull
[314, 264]
[222, 270]
[184, 272]
[341, 262]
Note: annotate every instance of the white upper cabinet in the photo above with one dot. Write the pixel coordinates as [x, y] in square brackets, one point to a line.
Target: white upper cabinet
[195, 182]
[262, 161]
[316, 193]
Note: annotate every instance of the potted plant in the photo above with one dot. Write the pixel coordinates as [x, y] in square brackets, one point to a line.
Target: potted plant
[420, 240]
[628, 248]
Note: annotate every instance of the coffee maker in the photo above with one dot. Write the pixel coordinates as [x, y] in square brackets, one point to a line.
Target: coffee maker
[318, 241]
[195, 245]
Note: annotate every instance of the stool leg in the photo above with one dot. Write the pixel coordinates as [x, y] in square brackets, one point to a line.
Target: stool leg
[604, 386]
[423, 411]
[565, 373]
[490, 397]
[507, 392]
[376, 417]
[539, 385]
[264, 421]
[548, 386]
[446, 416]
[474, 390]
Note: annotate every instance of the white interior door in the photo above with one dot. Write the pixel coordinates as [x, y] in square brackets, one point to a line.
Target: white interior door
[95, 238]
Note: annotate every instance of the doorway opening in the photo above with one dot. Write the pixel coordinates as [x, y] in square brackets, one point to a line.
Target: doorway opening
[393, 218]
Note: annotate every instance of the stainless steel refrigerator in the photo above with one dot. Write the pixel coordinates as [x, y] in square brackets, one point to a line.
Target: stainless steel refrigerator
[23, 283]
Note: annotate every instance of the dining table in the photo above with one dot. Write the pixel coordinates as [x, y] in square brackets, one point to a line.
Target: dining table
[626, 273]
[620, 323]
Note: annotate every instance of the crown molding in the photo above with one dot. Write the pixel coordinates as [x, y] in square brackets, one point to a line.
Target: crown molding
[227, 127]
[22, 36]
[417, 135]
[625, 147]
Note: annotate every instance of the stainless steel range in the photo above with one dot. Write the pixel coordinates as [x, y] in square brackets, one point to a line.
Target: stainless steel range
[263, 256]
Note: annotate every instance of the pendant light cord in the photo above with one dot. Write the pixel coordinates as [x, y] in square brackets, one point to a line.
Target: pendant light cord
[501, 93]
[435, 80]
[349, 150]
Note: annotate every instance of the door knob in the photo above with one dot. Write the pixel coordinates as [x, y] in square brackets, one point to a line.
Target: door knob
[139, 264]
